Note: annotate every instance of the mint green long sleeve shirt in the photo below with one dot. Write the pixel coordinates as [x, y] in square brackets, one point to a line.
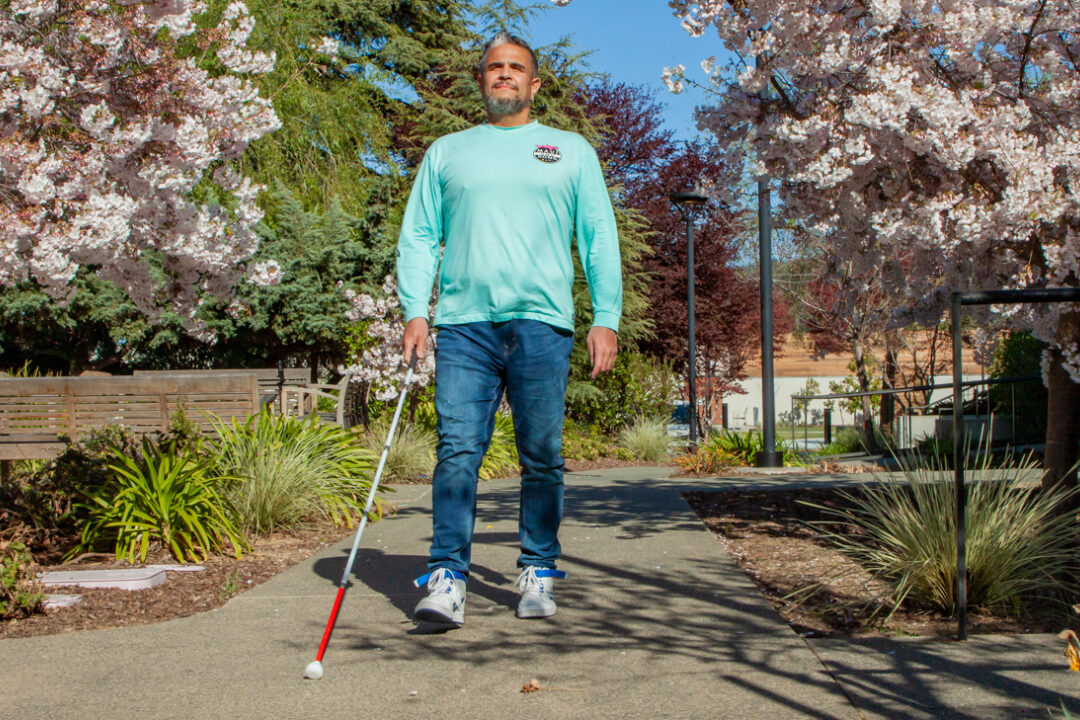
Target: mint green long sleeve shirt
[506, 204]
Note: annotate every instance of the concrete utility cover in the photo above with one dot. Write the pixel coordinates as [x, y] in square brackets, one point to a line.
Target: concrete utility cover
[177, 568]
[138, 579]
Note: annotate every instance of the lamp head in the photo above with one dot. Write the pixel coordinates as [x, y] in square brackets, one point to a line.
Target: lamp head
[691, 199]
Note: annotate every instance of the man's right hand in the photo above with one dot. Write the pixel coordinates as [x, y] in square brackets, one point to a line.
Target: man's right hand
[416, 333]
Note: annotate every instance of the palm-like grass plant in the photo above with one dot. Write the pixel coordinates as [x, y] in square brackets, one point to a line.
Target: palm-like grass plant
[1019, 545]
[288, 471]
[162, 496]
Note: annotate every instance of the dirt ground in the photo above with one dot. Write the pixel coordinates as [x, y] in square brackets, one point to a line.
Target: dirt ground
[819, 591]
[184, 593]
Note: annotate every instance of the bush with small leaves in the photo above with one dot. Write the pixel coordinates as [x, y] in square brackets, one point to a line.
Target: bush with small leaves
[20, 592]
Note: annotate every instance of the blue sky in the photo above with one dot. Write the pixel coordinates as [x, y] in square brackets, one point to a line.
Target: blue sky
[633, 40]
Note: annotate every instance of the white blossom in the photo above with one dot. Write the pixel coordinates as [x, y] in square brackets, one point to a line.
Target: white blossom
[329, 46]
[935, 146]
[117, 183]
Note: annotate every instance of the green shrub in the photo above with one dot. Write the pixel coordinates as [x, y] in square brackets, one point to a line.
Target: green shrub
[589, 442]
[286, 471]
[39, 501]
[646, 439]
[847, 440]
[637, 385]
[164, 497]
[501, 458]
[412, 453]
[745, 447]
[1018, 546]
[20, 593]
[1017, 355]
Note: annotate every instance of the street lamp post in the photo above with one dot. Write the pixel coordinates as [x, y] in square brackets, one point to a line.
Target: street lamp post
[689, 205]
[768, 457]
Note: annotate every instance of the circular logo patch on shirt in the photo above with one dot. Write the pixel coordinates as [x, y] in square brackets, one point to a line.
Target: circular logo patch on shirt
[547, 153]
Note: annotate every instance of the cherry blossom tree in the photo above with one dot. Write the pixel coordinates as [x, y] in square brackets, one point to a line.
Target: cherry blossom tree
[119, 122]
[376, 363]
[935, 143]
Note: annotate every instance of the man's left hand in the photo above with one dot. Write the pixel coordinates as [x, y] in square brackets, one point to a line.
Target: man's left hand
[603, 345]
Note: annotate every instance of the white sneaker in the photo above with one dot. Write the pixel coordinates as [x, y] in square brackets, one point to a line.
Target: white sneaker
[537, 586]
[445, 602]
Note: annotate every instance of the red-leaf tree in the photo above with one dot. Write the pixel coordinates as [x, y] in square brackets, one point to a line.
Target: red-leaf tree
[648, 165]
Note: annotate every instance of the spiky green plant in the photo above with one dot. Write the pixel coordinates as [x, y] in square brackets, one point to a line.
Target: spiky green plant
[1019, 546]
[646, 438]
[289, 471]
[164, 495]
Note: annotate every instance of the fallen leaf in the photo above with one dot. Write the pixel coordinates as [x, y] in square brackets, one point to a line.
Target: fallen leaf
[1072, 649]
[531, 686]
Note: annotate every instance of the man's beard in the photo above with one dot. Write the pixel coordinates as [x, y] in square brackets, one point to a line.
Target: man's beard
[504, 106]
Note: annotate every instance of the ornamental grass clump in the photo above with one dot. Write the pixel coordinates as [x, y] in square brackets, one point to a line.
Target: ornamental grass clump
[646, 439]
[411, 458]
[1020, 547]
[287, 471]
[501, 458]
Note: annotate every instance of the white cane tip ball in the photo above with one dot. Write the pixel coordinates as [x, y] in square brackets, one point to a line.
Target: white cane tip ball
[314, 670]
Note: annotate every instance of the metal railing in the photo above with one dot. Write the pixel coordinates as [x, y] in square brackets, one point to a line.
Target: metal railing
[805, 400]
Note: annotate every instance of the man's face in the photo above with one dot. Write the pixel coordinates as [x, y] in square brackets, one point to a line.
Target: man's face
[507, 81]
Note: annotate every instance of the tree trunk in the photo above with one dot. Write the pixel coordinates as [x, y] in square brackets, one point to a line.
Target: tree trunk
[1062, 426]
[892, 378]
[863, 379]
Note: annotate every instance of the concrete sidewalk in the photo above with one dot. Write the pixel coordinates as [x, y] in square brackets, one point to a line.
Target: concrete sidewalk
[655, 621]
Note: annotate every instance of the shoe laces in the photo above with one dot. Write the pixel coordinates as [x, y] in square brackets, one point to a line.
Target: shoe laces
[441, 581]
[528, 582]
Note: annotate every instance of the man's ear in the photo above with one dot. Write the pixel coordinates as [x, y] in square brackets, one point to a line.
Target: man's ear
[535, 85]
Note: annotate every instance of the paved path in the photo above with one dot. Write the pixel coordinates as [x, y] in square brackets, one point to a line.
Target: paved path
[655, 621]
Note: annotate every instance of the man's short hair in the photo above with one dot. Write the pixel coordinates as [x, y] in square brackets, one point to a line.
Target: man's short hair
[504, 38]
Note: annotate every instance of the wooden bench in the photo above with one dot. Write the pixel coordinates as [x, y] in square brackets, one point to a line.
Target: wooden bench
[35, 413]
[346, 395]
[271, 380]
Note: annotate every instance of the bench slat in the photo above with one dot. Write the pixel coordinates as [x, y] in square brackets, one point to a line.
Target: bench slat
[34, 411]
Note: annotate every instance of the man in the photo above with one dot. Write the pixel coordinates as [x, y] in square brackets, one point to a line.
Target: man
[506, 200]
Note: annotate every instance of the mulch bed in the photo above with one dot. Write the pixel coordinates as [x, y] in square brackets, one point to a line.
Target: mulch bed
[183, 593]
[815, 588]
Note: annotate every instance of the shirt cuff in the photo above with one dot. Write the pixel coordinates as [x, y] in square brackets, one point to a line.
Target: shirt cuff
[414, 311]
[606, 319]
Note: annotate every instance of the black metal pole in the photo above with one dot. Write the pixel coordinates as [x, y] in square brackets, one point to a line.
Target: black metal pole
[958, 472]
[768, 457]
[692, 371]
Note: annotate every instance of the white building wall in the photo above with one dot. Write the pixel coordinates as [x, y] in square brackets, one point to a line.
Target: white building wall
[744, 411]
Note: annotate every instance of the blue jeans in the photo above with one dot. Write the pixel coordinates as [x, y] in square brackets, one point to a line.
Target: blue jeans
[474, 363]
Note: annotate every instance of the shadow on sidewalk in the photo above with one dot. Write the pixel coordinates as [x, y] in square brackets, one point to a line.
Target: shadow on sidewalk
[701, 609]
